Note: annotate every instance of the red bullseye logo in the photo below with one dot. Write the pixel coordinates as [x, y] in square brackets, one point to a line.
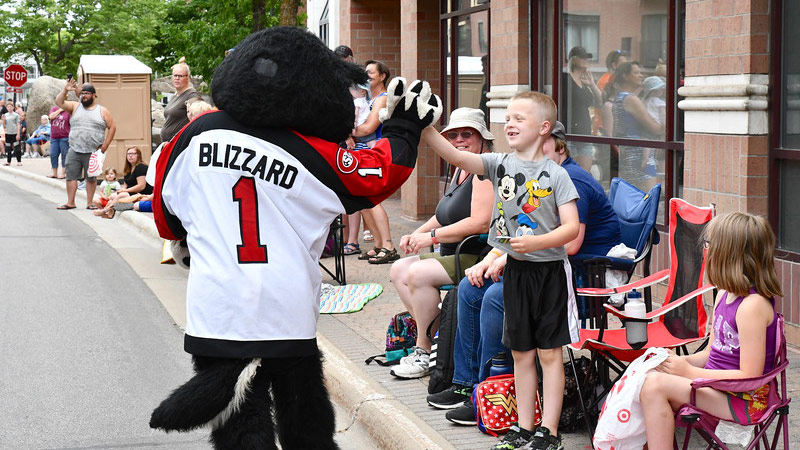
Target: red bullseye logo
[624, 415]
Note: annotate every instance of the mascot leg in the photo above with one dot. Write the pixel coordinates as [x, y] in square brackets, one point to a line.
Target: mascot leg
[227, 394]
[303, 410]
[250, 427]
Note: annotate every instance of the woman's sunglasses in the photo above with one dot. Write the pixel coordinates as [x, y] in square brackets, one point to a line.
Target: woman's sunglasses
[453, 135]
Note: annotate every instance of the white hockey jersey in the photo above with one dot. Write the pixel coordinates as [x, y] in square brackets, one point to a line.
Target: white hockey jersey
[255, 206]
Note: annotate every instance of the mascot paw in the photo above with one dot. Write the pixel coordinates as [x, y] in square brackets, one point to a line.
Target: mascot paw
[417, 104]
[180, 253]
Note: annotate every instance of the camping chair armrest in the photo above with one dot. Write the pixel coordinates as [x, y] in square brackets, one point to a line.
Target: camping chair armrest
[664, 309]
[483, 237]
[625, 288]
[648, 246]
[739, 384]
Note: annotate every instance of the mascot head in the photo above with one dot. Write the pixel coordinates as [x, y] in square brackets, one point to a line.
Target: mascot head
[286, 77]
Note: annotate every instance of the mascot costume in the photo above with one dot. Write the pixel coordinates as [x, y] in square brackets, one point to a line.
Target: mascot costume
[252, 189]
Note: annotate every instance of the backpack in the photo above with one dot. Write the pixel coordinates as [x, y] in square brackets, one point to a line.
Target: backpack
[401, 336]
[441, 364]
[495, 403]
[571, 412]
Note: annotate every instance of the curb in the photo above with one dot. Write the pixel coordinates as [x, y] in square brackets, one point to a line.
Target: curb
[388, 421]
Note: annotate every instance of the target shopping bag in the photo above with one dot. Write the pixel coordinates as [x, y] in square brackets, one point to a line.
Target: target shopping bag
[96, 161]
[621, 422]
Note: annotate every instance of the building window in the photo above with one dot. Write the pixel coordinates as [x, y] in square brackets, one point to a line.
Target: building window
[465, 50]
[613, 60]
[785, 154]
[582, 31]
[654, 39]
[323, 25]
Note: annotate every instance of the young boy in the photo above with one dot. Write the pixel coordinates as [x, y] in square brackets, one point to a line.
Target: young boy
[533, 195]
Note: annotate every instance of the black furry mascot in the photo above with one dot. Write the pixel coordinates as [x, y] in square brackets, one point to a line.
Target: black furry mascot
[252, 189]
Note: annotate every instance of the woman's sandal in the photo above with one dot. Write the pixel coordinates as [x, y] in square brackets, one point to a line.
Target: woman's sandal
[384, 256]
[366, 255]
[351, 249]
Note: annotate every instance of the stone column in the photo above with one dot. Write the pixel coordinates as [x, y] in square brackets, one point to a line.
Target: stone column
[419, 59]
[510, 54]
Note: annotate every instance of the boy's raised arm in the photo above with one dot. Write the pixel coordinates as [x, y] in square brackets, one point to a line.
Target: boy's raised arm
[467, 161]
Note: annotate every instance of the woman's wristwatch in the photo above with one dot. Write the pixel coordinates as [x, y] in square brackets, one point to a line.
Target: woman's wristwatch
[433, 237]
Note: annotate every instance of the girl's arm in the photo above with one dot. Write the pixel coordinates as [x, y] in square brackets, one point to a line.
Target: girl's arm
[754, 315]
[567, 231]
[371, 124]
[470, 162]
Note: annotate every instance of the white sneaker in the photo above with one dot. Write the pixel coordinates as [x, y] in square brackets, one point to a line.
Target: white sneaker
[82, 185]
[417, 366]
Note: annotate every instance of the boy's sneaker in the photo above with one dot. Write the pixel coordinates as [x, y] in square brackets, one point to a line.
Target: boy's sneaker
[516, 438]
[450, 398]
[463, 415]
[543, 440]
[415, 365]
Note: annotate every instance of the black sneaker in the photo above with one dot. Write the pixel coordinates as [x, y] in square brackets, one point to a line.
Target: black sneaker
[543, 440]
[463, 415]
[451, 397]
[516, 438]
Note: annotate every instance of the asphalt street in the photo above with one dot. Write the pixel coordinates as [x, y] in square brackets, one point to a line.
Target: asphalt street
[87, 350]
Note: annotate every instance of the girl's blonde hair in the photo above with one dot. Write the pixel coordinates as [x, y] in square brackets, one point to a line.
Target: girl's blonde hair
[741, 254]
[197, 107]
[109, 170]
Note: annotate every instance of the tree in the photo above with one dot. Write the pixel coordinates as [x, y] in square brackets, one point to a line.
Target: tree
[203, 30]
[55, 33]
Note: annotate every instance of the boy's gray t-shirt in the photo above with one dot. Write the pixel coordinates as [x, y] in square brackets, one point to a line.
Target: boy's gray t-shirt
[527, 196]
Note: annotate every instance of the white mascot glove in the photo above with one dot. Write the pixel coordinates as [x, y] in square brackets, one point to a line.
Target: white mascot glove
[417, 104]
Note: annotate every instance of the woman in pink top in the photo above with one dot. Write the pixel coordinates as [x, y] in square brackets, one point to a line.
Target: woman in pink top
[740, 262]
[59, 140]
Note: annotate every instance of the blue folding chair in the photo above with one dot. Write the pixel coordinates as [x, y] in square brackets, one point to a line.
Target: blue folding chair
[636, 212]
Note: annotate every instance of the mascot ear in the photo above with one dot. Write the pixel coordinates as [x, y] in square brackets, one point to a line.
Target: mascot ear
[285, 77]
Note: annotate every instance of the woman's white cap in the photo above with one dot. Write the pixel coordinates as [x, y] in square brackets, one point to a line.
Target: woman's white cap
[469, 118]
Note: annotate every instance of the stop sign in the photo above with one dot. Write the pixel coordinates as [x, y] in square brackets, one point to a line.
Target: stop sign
[15, 75]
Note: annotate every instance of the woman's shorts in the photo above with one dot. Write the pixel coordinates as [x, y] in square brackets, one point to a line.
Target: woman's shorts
[449, 263]
[748, 407]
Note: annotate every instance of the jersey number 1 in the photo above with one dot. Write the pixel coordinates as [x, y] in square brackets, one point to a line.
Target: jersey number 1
[251, 250]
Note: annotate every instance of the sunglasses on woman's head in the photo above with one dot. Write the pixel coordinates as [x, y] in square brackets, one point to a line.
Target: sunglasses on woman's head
[453, 135]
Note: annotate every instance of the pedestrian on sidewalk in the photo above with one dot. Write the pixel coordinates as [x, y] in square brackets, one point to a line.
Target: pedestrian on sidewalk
[11, 124]
[59, 140]
[91, 128]
[175, 116]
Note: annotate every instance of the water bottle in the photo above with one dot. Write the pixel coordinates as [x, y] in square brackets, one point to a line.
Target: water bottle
[501, 365]
[635, 331]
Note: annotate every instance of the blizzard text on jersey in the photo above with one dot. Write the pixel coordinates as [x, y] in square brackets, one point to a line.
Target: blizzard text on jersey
[245, 159]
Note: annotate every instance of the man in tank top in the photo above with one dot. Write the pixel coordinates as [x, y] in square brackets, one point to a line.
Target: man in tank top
[91, 128]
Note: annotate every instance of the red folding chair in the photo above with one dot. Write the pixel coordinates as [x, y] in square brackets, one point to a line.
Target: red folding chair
[705, 424]
[679, 322]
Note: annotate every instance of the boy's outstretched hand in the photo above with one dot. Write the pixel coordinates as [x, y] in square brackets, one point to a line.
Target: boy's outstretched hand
[416, 105]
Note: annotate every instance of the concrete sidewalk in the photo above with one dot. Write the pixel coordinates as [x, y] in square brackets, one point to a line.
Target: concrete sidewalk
[393, 410]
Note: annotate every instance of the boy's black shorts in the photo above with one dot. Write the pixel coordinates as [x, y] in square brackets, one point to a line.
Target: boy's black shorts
[540, 306]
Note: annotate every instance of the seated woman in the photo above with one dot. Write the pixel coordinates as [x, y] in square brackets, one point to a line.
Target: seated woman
[134, 179]
[464, 210]
[480, 300]
[39, 137]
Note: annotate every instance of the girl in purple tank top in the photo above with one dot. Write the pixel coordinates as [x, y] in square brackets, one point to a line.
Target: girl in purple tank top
[740, 263]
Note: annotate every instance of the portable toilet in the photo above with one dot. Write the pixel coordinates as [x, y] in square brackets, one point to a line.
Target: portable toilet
[123, 87]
